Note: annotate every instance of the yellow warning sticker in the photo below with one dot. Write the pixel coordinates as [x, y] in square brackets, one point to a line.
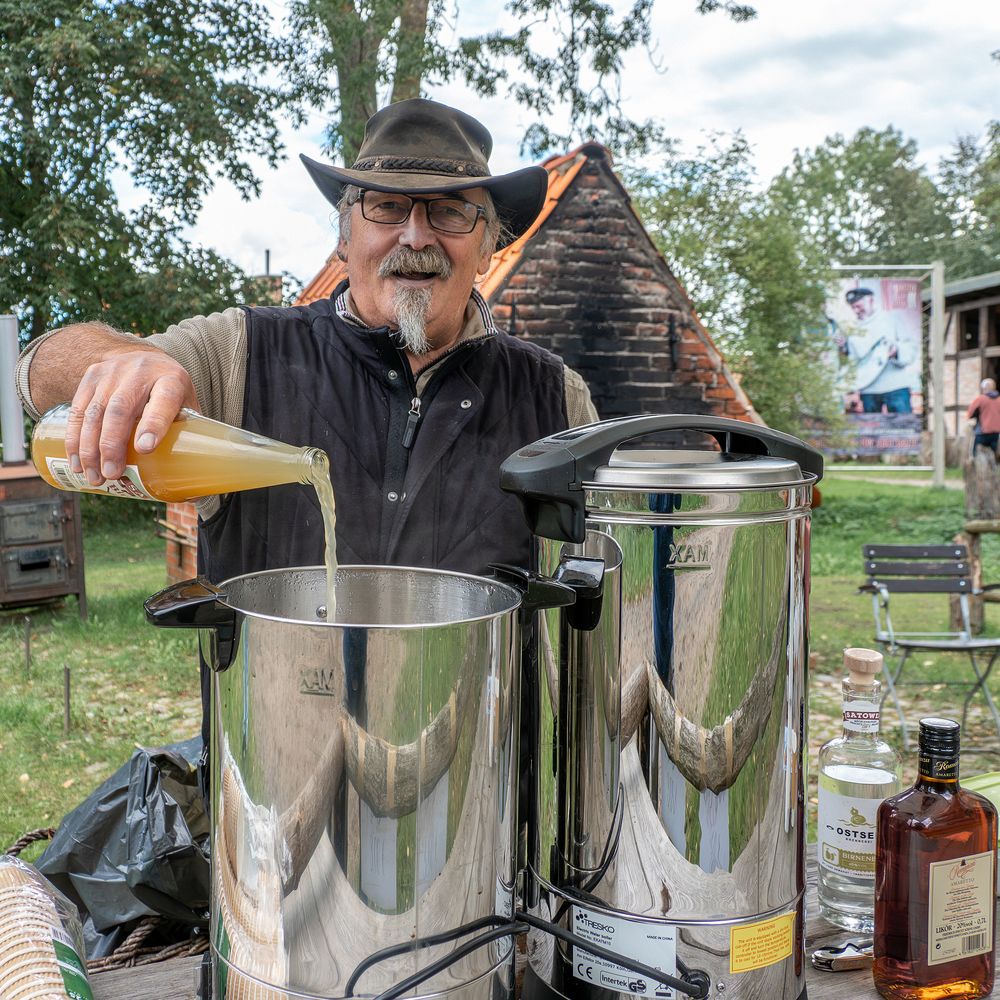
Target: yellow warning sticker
[754, 946]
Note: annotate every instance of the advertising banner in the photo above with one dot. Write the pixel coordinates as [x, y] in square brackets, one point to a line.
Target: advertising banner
[874, 326]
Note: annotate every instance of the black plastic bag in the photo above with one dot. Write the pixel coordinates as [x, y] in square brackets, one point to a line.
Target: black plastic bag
[138, 846]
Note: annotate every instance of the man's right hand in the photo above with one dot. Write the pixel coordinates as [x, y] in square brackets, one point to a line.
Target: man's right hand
[136, 392]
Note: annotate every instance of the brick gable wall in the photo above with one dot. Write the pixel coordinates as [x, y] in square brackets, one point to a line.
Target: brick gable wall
[591, 287]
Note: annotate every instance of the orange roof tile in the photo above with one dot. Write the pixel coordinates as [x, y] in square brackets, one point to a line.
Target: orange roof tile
[562, 170]
[333, 273]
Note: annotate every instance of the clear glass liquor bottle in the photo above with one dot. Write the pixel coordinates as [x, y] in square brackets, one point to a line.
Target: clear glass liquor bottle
[935, 881]
[857, 771]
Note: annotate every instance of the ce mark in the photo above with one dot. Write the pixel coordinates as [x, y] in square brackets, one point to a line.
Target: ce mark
[584, 971]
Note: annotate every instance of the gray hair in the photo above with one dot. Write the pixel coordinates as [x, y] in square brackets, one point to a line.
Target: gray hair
[987, 385]
[495, 232]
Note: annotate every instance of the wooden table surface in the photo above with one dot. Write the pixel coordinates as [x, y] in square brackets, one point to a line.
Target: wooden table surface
[178, 978]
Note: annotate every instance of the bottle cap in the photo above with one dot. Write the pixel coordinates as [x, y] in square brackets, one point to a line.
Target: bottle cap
[862, 665]
[939, 735]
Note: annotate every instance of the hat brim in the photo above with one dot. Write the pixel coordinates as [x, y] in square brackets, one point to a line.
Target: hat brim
[518, 196]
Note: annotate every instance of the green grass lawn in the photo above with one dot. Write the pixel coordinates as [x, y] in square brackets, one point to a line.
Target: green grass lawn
[134, 684]
[130, 683]
[878, 470]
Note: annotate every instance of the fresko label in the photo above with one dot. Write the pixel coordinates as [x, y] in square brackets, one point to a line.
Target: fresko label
[130, 485]
[845, 831]
[651, 944]
[960, 908]
[861, 717]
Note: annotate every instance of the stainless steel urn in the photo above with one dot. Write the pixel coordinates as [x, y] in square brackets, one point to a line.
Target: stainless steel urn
[668, 719]
[363, 778]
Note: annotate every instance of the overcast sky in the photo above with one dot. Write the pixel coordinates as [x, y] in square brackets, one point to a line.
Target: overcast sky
[803, 70]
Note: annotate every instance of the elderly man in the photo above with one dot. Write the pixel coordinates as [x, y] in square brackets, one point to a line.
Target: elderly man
[400, 376]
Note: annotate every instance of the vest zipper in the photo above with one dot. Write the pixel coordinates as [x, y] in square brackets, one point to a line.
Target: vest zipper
[415, 414]
[412, 419]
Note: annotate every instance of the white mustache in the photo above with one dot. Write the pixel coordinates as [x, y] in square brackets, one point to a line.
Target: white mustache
[403, 260]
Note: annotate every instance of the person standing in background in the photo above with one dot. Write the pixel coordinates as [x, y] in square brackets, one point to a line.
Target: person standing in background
[985, 410]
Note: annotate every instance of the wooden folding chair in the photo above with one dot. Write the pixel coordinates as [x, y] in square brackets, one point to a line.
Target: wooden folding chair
[925, 569]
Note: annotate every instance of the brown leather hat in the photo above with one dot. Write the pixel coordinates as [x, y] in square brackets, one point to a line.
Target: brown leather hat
[422, 146]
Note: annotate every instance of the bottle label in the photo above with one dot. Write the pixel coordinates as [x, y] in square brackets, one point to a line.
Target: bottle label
[861, 717]
[960, 908]
[846, 832]
[938, 766]
[130, 485]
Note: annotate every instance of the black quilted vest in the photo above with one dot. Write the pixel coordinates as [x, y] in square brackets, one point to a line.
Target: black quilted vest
[411, 489]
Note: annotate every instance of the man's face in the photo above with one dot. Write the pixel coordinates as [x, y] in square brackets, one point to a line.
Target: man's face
[378, 257]
[863, 307]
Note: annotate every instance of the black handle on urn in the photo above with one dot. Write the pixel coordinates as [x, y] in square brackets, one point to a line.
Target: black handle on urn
[197, 604]
[548, 475]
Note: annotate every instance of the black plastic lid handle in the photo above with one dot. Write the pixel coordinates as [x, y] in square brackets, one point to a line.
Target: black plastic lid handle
[197, 604]
[548, 476]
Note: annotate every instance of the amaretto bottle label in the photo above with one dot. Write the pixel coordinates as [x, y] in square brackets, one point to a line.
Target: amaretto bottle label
[960, 908]
[129, 485]
[846, 832]
[861, 717]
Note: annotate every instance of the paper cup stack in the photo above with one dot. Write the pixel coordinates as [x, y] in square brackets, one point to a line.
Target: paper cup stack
[30, 932]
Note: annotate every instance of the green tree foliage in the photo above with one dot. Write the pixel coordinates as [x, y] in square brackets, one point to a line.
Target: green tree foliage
[970, 181]
[866, 199]
[557, 58]
[173, 92]
[757, 285]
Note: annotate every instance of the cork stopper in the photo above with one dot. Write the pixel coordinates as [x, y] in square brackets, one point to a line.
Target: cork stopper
[862, 665]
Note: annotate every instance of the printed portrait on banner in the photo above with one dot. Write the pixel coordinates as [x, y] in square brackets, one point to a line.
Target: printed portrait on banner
[874, 326]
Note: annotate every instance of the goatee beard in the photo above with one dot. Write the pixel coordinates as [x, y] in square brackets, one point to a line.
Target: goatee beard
[411, 306]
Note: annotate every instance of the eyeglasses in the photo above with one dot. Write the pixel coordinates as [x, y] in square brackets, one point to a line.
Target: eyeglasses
[446, 215]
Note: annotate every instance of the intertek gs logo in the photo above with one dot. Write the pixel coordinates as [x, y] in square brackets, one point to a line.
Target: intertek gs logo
[689, 555]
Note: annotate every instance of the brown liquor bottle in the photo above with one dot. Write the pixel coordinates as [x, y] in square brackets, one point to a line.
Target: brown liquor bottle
[935, 881]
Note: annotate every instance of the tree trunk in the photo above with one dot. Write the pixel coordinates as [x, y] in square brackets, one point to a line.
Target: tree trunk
[358, 100]
[354, 44]
[982, 488]
[410, 50]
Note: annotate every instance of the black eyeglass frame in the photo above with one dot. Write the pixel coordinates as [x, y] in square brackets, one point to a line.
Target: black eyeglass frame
[480, 211]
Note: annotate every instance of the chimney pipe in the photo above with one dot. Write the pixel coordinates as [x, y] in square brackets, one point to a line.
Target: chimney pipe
[11, 418]
[267, 263]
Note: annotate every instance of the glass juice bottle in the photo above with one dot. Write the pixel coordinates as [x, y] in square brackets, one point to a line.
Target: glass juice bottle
[857, 771]
[935, 881]
[197, 457]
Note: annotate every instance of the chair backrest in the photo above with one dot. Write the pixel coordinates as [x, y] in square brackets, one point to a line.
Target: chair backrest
[918, 569]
